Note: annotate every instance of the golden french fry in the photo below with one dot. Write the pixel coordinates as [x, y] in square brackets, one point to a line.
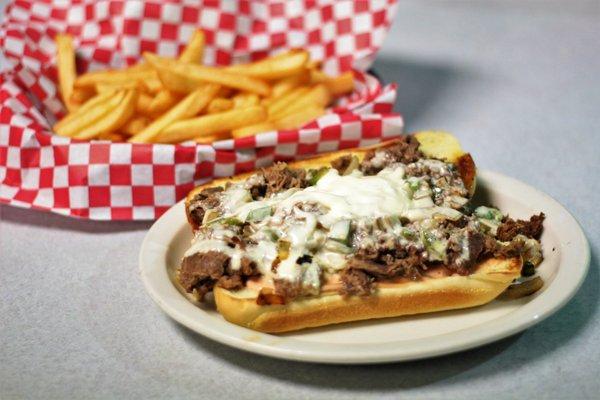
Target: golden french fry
[314, 64]
[163, 100]
[242, 100]
[65, 57]
[113, 119]
[175, 82]
[142, 105]
[317, 76]
[198, 74]
[135, 125]
[252, 129]
[218, 105]
[299, 118]
[171, 81]
[213, 138]
[90, 79]
[80, 96]
[89, 113]
[153, 84]
[194, 51]
[276, 67]
[225, 92]
[83, 109]
[290, 83]
[106, 86]
[191, 105]
[337, 85]
[210, 124]
[282, 102]
[317, 96]
[112, 136]
[140, 66]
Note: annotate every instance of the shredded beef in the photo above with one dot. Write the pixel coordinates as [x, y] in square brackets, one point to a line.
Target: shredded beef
[202, 268]
[233, 282]
[476, 243]
[205, 200]
[341, 163]
[489, 245]
[380, 264]
[247, 267]
[511, 228]
[491, 248]
[286, 289]
[202, 271]
[275, 179]
[405, 150]
[510, 250]
[355, 282]
[235, 241]
[459, 223]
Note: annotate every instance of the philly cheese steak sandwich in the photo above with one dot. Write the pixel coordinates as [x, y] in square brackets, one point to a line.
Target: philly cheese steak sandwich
[357, 234]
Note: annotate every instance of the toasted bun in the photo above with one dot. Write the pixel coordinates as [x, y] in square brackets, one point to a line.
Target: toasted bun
[490, 279]
[440, 145]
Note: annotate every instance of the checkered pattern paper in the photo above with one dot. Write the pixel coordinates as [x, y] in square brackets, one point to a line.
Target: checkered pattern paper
[122, 181]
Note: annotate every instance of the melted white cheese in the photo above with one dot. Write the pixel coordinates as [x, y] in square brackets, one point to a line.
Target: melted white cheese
[355, 196]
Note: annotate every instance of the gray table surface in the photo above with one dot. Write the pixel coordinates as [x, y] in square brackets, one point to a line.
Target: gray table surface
[518, 82]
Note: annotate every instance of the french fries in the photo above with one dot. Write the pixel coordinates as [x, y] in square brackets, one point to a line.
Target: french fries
[171, 100]
[317, 96]
[191, 105]
[280, 66]
[290, 83]
[211, 124]
[199, 74]
[338, 85]
[135, 126]
[252, 129]
[65, 58]
[115, 117]
[297, 119]
[245, 100]
[194, 50]
[80, 96]
[114, 77]
[88, 114]
[218, 105]
[163, 100]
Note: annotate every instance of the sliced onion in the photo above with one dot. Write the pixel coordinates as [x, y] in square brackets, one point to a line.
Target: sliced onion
[449, 213]
[458, 200]
[424, 202]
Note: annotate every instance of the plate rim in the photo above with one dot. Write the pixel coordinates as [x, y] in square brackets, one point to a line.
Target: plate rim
[245, 339]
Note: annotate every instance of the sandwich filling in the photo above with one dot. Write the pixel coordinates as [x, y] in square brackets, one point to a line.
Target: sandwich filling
[396, 215]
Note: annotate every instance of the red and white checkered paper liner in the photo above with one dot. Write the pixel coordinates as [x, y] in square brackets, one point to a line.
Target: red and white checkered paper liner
[123, 181]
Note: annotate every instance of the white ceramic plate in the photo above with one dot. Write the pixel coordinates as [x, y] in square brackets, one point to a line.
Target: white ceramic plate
[565, 266]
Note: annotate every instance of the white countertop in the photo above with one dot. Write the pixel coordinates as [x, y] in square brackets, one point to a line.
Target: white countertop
[517, 82]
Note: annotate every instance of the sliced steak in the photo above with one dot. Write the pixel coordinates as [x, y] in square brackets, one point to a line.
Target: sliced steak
[355, 282]
[511, 228]
[275, 179]
[375, 264]
[342, 163]
[405, 150]
[510, 250]
[202, 268]
[286, 289]
[202, 271]
[207, 199]
[476, 243]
